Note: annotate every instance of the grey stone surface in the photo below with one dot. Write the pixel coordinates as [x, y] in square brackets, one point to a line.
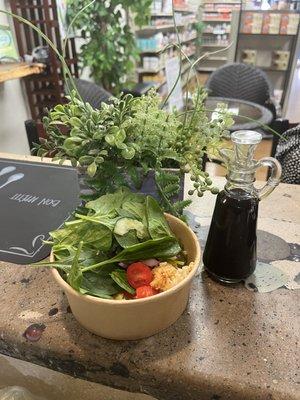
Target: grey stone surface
[230, 343]
[271, 247]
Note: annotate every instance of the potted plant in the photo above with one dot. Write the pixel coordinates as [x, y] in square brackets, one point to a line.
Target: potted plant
[109, 49]
[130, 139]
[123, 142]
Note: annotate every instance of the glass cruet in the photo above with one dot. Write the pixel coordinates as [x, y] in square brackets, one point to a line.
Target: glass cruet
[230, 251]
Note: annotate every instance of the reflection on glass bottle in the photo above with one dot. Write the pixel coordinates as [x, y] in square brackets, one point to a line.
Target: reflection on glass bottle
[230, 251]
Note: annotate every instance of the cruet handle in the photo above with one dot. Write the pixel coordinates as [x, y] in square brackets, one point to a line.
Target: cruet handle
[274, 178]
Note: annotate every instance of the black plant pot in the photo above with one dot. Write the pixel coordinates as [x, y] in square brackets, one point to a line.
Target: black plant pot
[148, 184]
[149, 187]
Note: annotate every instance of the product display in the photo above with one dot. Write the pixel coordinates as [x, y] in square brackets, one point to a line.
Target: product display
[280, 59]
[267, 40]
[217, 32]
[249, 56]
[272, 23]
[289, 24]
[157, 48]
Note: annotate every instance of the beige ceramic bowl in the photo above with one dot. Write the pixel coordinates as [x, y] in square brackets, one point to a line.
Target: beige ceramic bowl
[136, 319]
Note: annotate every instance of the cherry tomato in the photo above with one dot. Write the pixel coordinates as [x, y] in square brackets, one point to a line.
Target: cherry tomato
[139, 274]
[145, 291]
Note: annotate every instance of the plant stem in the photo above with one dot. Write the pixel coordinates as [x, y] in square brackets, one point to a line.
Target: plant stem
[180, 62]
[170, 205]
[66, 40]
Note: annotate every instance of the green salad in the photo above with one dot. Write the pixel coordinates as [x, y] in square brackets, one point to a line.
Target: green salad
[105, 250]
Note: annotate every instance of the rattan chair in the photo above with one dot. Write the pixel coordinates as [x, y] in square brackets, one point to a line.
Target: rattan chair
[92, 93]
[244, 82]
[288, 154]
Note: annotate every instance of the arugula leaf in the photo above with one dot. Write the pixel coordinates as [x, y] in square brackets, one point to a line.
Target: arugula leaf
[119, 276]
[157, 223]
[75, 274]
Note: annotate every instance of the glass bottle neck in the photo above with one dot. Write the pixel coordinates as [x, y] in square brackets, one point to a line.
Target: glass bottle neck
[240, 181]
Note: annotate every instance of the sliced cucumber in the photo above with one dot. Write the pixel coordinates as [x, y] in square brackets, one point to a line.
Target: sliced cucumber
[124, 225]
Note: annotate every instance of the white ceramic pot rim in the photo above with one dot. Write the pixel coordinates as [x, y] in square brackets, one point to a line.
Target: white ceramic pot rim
[94, 299]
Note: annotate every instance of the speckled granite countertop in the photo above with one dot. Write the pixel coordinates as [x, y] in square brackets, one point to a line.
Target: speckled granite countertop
[230, 343]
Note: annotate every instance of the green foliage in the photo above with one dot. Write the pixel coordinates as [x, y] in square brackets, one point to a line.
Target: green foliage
[200, 27]
[120, 143]
[110, 48]
[90, 266]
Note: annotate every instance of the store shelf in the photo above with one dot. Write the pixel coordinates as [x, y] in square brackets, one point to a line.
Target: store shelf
[222, 2]
[218, 11]
[271, 69]
[157, 51]
[217, 58]
[162, 14]
[217, 20]
[184, 70]
[216, 33]
[206, 69]
[214, 45]
[185, 10]
[188, 40]
[266, 34]
[149, 71]
[164, 27]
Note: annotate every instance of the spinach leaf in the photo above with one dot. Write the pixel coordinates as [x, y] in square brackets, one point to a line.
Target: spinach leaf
[134, 210]
[99, 285]
[104, 220]
[75, 274]
[91, 234]
[109, 203]
[157, 223]
[119, 276]
[127, 240]
[154, 248]
[58, 265]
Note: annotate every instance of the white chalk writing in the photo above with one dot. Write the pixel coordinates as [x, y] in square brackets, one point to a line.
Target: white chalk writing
[28, 198]
[49, 202]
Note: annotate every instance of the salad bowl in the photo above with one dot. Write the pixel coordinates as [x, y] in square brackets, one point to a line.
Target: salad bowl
[139, 318]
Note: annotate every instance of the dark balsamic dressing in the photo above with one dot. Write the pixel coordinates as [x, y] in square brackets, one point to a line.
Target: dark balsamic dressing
[230, 251]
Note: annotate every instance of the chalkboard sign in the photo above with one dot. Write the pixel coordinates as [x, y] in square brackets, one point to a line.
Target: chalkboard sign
[35, 198]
